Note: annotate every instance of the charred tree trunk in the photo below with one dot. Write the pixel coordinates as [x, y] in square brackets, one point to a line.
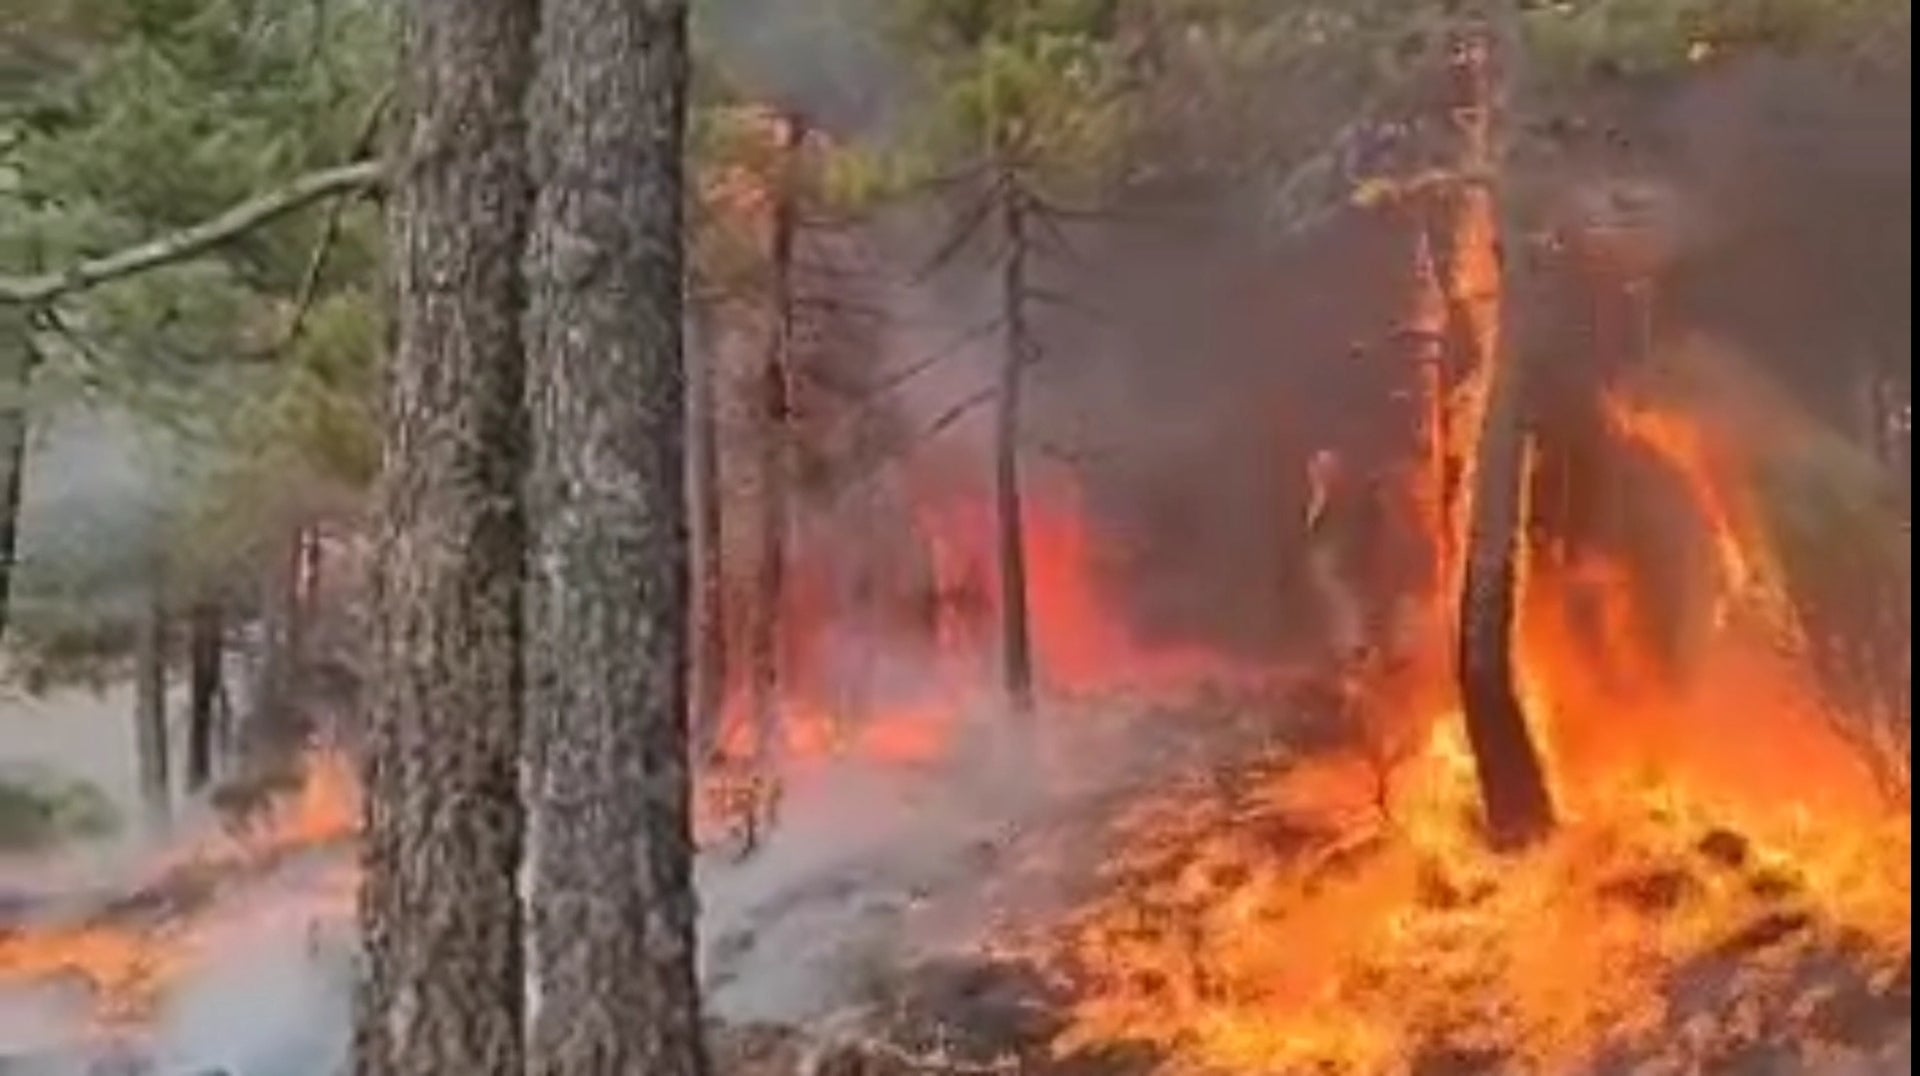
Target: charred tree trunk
[1016, 635]
[150, 710]
[440, 915]
[709, 670]
[17, 361]
[776, 456]
[610, 886]
[1426, 332]
[1512, 780]
[205, 653]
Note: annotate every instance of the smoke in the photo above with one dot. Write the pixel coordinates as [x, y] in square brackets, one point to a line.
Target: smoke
[873, 868]
[827, 59]
[1793, 182]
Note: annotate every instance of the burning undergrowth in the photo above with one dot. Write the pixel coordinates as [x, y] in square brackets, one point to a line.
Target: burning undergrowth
[1221, 894]
[1275, 919]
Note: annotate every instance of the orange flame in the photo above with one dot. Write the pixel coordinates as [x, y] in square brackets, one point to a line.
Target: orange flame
[129, 963]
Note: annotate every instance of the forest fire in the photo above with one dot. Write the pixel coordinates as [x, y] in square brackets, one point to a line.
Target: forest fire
[1083, 642]
[1336, 909]
[129, 952]
[1339, 911]
[1342, 913]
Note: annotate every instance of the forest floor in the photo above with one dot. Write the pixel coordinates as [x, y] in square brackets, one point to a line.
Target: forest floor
[849, 945]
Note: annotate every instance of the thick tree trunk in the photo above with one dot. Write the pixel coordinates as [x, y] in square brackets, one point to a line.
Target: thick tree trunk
[150, 711]
[610, 886]
[1512, 780]
[776, 457]
[709, 686]
[443, 988]
[1016, 634]
[205, 653]
[17, 360]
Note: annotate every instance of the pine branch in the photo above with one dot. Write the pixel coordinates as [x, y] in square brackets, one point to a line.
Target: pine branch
[193, 240]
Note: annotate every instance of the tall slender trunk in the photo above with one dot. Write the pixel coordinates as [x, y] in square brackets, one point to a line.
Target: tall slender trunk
[1512, 780]
[271, 714]
[440, 914]
[1427, 337]
[1016, 635]
[205, 653]
[17, 361]
[709, 686]
[776, 454]
[610, 881]
[309, 578]
[150, 710]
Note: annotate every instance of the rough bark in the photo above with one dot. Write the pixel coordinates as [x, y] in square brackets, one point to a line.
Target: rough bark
[1512, 780]
[776, 454]
[612, 930]
[1016, 635]
[709, 670]
[150, 711]
[17, 361]
[205, 652]
[443, 988]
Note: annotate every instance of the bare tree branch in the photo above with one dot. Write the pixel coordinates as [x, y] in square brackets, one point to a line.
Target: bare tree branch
[193, 240]
[969, 224]
[941, 422]
[363, 144]
[895, 378]
[955, 413]
[1054, 239]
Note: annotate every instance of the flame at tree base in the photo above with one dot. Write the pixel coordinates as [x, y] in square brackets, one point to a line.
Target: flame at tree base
[1727, 873]
[1289, 924]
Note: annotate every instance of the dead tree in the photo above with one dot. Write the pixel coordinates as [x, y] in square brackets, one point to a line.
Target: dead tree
[206, 626]
[708, 690]
[1511, 776]
[776, 449]
[1016, 633]
[18, 357]
[150, 708]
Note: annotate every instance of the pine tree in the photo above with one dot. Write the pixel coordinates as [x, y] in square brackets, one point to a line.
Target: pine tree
[440, 911]
[610, 886]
